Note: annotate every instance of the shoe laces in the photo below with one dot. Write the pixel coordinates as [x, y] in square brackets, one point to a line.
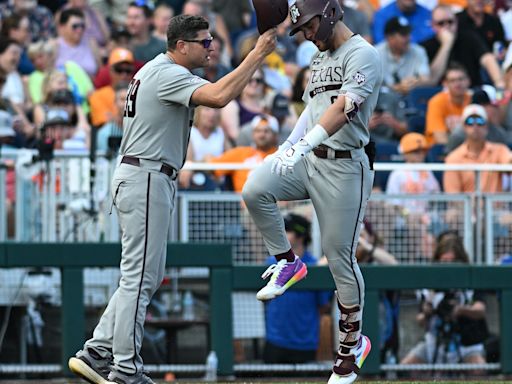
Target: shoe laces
[274, 269]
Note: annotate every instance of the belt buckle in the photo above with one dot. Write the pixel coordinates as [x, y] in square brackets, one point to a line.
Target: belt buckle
[331, 153]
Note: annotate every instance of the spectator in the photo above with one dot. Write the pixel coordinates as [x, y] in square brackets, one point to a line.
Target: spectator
[161, 18]
[72, 45]
[121, 38]
[138, 23]
[42, 54]
[387, 123]
[278, 106]
[114, 10]
[242, 110]
[108, 136]
[102, 101]
[41, 24]
[444, 109]
[56, 94]
[475, 149]
[292, 321]
[404, 64]
[60, 130]
[488, 26]
[16, 27]
[236, 15]
[413, 147]
[454, 320]
[305, 51]
[417, 16]
[13, 89]
[486, 97]
[207, 140]
[265, 129]
[463, 46]
[96, 26]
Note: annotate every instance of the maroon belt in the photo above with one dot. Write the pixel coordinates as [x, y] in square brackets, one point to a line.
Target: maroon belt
[165, 168]
[322, 152]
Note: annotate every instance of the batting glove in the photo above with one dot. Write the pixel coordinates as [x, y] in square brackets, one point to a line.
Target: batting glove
[282, 148]
[284, 162]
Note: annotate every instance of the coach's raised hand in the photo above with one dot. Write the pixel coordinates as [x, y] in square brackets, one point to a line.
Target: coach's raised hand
[266, 42]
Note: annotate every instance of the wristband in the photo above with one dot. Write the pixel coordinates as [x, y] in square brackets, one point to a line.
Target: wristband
[316, 136]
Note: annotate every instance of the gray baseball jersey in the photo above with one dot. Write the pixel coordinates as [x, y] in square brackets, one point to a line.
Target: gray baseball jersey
[158, 113]
[351, 70]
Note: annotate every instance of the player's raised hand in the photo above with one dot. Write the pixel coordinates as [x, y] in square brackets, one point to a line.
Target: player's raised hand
[284, 163]
[267, 42]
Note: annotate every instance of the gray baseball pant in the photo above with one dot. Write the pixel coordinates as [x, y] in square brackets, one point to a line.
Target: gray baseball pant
[144, 199]
[339, 190]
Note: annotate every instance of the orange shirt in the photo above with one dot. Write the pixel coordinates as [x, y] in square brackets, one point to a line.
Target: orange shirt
[464, 181]
[103, 105]
[245, 155]
[443, 113]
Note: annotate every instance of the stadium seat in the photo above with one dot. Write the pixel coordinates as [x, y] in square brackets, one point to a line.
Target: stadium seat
[416, 123]
[386, 152]
[417, 99]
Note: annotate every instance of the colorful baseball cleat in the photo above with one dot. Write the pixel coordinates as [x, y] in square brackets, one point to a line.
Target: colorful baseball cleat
[284, 275]
[90, 366]
[346, 367]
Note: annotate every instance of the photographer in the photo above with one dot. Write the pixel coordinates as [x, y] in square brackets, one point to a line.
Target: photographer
[454, 320]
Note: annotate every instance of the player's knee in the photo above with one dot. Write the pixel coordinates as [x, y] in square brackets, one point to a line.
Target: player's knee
[251, 193]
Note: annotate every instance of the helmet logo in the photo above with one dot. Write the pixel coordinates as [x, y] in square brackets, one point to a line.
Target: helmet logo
[294, 13]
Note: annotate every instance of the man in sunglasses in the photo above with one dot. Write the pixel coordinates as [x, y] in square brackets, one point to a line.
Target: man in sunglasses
[102, 101]
[451, 43]
[157, 120]
[475, 149]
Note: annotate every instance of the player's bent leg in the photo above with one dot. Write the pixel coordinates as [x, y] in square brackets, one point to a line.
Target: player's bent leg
[282, 276]
[354, 347]
[90, 366]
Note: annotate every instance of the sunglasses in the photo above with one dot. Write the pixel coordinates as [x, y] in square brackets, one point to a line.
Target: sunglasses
[78, 26]
[447, 22]
[205, 42]
[257, 80]
[475, 120]
[125, 70]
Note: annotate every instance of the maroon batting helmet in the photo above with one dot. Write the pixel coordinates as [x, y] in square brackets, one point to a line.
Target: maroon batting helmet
[270, 13]
[301, 11]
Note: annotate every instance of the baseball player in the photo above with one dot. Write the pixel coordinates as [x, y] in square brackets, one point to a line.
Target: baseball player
[156, 127]
[328, 157]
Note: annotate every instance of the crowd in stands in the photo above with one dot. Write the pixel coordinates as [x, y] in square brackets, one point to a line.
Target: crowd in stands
[71, 62]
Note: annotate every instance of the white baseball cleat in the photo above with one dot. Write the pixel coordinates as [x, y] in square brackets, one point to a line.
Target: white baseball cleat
[353, 362]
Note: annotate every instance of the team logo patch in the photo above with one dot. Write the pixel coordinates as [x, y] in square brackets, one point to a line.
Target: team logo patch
[294, 13]
[359, 77]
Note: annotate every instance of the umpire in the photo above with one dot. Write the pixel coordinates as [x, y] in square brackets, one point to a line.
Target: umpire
[158, 115]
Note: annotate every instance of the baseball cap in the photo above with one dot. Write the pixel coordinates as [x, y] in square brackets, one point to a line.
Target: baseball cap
[279, 106]
[486, 94]
[61, 96]
[57, 116]
[120, 55]
[270, 120]
[397, 24]
[298, 224]
[411, 142]
[474, 110]
[6, 128]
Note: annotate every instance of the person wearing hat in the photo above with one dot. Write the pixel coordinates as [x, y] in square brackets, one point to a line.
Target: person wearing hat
[404, 64]
[292, 321]
[475, 149]
[486, 96]
[59, 129]
[413, 146]
[102, 101]
[264, 135]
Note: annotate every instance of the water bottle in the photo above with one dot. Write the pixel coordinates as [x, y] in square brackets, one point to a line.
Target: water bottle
[188, 306]
[212, 363]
